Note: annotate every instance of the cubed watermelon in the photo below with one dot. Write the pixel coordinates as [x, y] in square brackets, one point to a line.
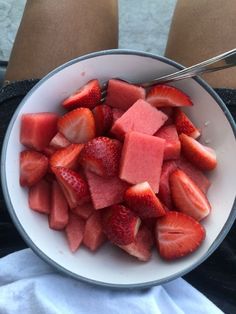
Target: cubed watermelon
[141, 117]
[105, 191]
[93, 234]
[59, 215]
[84, 211]
[75, 231]
[172, 146]
[142, 158]
[123, 95]
[39, 197]
[38, 129]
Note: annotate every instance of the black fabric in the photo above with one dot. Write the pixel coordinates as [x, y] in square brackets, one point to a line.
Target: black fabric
[215, 278]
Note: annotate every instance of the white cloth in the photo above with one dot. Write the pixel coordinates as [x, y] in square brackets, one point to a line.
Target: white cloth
[30, 286]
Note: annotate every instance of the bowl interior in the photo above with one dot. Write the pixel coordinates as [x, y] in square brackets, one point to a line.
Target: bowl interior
[111, 266]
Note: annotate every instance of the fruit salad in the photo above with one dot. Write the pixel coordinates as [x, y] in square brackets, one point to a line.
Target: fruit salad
[129, 170]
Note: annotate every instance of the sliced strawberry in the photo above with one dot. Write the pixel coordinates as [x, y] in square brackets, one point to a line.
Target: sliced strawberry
[143, 201]
[37, 129]
[59, 215]
[178, 235]
[102, 156]
[67, 157]
[84, 210]
[59, 141]
[75, 188]
[142, 245]
[184, 124]
[103, 119]
[33, 167]
[87, 96]
[117, 113]
[78, 126]
[201, 156]
[75, 232]
[187, 196]
[120, 225]
[167, 96]
[164, 188]
[39, 197]
[93, 234]
[48, 151]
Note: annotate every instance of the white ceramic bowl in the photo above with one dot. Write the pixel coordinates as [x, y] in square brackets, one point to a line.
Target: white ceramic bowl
[110, 266]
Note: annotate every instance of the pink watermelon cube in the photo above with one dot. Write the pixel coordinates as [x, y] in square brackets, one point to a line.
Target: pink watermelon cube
[140, 117]
[105, 191]
[142, 158]
[38, 129]
[164, 189]
[93, 234]
[59, 214]
[173, 146]
[84, 211]
[39, 197]
[75, 232]
[123, 95]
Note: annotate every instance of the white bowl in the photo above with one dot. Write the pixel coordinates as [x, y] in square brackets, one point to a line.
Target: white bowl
[110, 266]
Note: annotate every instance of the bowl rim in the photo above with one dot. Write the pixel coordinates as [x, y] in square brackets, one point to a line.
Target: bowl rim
[224, 231]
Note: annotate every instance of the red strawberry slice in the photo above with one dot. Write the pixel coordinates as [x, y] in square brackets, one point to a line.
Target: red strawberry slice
[142, 245]
[102, 156]
[59, 141]
[87, 96]
[167, 96]
[48, 151]
[184, 124]
[67, 157]
[93, 234]
[39, 197]
[143, 201]
[75, 188]
[75, 232]
[103, 119]
[187, 196]
[178, 235]
[59, 215]
[78, 126]
[33, 167]
[117, 113]
[201, 156]
[84, 211]
[120, 225]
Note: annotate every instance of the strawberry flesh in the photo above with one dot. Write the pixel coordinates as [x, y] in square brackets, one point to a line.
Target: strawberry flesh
[59, 141]
[103, 119]
[178, 235]
[187, 196]
[184, 124]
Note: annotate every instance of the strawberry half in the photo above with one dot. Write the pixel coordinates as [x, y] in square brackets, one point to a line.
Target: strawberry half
[59, 141]
[67, 157]
[178, 235]
[143, 201]
[101, 155]
[187, 196]
[120, 225]
[184, 124]
[167, 96]
[33, 167]
[73, 185]
[78, 126]
[103, 118]
[201, 156]
[87, 96]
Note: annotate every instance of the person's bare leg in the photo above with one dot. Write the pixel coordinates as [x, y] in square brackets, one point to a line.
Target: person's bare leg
[52, 32]
[202, 29]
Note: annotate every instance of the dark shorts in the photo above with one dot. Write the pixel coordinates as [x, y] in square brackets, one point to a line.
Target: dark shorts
[216, 277]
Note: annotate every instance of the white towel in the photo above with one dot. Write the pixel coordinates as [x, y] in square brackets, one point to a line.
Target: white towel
[29, 286]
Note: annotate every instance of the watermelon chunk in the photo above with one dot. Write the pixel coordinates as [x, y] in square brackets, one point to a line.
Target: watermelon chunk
[39, 197]
[75, 231]
[93, 234]
[142, 158]
[141, 117]
[105, 191]
[59, 215]
[123, 95]
[164, 188]
[84, 211]
[172, 146]
[38, 129]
